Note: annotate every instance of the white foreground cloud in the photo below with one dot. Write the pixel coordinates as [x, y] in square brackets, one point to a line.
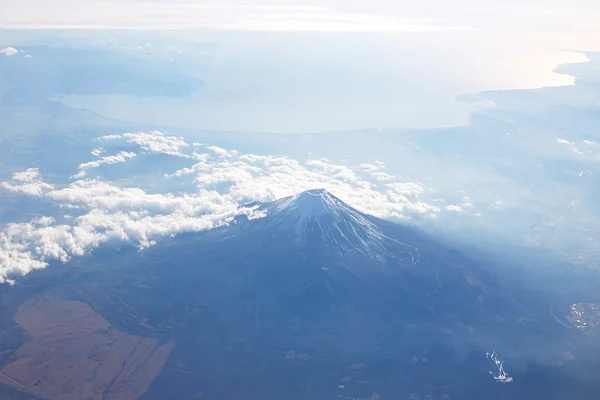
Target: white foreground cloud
[28, 246]
[224, 179]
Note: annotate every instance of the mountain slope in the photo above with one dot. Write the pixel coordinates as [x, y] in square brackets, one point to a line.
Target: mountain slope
[313, 259]
[312, 299]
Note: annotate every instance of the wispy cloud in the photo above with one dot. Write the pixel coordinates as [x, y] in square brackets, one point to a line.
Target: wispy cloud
[121, 157]
[584, 149]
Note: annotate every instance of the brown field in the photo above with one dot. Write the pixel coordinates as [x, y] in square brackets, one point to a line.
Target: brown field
[74, 354]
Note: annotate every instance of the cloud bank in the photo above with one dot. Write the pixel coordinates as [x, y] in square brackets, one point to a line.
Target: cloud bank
[224, 181]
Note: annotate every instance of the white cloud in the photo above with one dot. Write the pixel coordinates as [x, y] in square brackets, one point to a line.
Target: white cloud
[219, 151]
[153, 142]
[9, 51]
[121, 157]
[496, 205]
[249, 177]
[111, 215]
[369, 167]
[374, 170]
[563, 141]
[15, 259]
[28, 182]
[29, 246]
[382, 176]
[118, 158]
[29, 175]
[97, 152]
[224, 180]
[586, 148]
[406, 188]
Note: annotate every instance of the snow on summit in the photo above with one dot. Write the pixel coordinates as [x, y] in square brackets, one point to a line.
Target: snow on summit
[311, 204]
[318, 216]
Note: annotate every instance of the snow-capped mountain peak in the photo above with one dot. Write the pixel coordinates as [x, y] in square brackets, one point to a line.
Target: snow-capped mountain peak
[319, 218]
[310, 204]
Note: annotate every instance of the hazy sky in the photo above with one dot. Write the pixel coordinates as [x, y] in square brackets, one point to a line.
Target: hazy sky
[398, 63]
[324, 15]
